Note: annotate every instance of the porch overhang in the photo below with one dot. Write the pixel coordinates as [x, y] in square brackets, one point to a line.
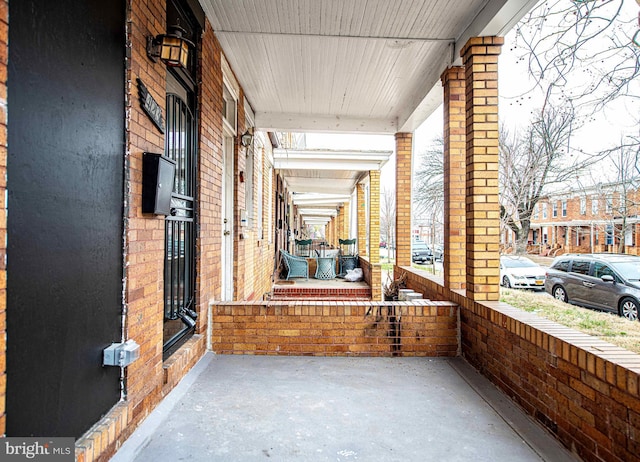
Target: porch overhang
[363, 66]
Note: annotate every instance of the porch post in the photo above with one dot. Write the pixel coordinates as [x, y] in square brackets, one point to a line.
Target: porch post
[453, 81]
[404, 157]
[345, 221]
[362, 223]
[374, 234]
[374, 216]
[480, 58]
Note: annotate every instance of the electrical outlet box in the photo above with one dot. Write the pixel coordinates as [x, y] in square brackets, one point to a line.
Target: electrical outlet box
[121, 354]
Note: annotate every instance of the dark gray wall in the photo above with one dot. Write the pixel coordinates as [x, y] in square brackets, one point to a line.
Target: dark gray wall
[65, 186]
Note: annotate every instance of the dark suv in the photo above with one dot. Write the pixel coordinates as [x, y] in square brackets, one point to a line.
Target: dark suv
[609, 282]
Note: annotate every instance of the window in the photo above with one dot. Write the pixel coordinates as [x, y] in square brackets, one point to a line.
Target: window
[544, 210]
[594, 205]
[609, 204]
[580, 267]
[583, 206]
[555, 210]
[248, 186]
[562, 265]
[600, 269]
[564, 208]
[260, 191]
[270, 193]
[229, 107]
[536, 211]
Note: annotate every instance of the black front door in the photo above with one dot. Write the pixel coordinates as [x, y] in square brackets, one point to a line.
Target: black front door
[65, 199]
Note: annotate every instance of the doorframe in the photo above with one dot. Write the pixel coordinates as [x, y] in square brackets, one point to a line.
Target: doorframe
[228, 228]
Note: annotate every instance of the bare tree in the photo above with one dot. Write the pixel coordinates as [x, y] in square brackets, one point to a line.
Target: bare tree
[428, 189]
[589, 56]
[531, 164]
[388, 218]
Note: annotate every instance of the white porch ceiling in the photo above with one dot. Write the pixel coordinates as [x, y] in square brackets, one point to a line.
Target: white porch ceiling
[366, 66]
[321, 181]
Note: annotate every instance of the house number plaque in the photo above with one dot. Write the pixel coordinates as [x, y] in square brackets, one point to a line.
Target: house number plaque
[150, 106]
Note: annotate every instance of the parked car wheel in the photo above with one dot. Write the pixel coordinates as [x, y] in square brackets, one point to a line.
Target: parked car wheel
[506, 283]
[560, 294]
[629, 309]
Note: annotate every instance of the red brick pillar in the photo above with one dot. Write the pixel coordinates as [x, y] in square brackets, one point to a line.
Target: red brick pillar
[480, 58]
[362, 221]
[404, 155]
[453, 81]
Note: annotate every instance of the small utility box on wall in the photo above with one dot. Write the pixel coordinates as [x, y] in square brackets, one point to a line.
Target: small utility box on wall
[158, 175]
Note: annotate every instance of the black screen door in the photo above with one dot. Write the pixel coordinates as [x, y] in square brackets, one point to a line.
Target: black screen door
[179, 265]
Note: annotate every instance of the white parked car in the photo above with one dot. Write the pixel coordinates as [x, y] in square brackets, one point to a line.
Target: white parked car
[521, 273]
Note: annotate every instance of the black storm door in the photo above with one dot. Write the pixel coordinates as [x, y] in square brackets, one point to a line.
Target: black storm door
[179, 265]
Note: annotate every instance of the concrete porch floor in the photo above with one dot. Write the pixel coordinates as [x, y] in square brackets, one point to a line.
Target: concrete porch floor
[246, 408]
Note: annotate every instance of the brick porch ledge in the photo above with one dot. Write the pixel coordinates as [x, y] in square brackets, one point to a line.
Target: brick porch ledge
[331, 328]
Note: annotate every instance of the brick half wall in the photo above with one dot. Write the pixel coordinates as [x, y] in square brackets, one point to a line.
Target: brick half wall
[581, 389]
[323, 328]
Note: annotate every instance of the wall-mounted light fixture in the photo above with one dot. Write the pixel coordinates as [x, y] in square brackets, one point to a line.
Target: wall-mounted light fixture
[247, 137]
[171, 48]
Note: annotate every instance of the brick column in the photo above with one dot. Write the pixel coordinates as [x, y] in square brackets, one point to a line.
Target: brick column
[334, 227]
[362, 223]
[453, 81]
[374, 216]
[345, 221]
[374, 234]
[404, 155]
[480, 58]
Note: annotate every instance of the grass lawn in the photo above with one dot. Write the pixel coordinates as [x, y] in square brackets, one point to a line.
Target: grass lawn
[609, 327]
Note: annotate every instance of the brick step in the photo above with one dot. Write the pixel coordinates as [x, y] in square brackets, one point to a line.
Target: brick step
[321, 293]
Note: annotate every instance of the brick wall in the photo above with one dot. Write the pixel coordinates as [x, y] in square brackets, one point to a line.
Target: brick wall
[210, 168]
[581, 389]
[144, 233]
[335, 328]
[4, 50]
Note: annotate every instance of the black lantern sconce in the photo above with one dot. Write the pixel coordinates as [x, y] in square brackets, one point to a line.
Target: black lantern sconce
[247, 137]
[171, 48]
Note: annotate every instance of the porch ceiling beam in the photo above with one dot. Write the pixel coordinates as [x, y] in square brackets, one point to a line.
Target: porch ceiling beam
[308, 164]
[496, 18]
[325, 206]
[320, 186]
[318, 212]
[322, 218]
[310, 123]
[319, 198]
